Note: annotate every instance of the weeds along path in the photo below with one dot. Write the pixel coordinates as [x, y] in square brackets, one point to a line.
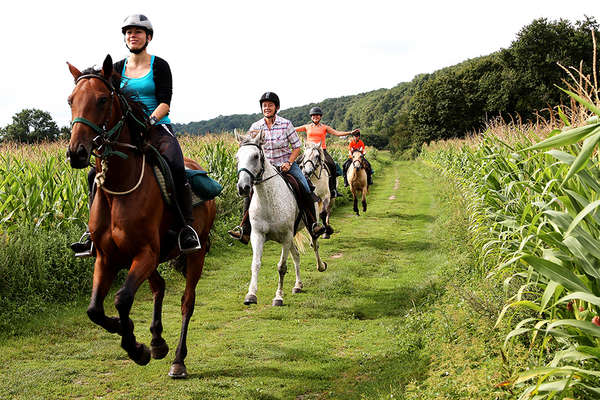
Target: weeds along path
[349, 336]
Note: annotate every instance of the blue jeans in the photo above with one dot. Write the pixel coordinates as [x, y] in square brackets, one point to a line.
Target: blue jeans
[296, 172]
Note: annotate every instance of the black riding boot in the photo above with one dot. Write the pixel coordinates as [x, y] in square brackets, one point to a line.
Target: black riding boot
[85, 247]
[332, 187]
[345, 169]
[312, 223]
[188, 238]
[242, 232]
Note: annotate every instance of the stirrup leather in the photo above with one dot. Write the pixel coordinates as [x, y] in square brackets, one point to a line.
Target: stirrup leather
[191, 249]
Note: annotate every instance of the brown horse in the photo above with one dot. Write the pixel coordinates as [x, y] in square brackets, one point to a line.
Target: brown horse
[357, 178]
[129, 222]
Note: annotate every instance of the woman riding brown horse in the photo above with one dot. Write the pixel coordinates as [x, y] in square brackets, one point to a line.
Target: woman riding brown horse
[130, 225]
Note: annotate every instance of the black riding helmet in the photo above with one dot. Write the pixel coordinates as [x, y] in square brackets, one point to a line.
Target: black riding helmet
[270, 96]
[356, 134]
[315, 111]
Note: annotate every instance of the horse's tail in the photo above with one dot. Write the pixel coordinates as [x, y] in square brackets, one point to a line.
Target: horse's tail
[301, 240]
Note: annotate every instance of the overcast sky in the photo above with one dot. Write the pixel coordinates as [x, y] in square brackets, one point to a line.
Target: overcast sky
[225, 54]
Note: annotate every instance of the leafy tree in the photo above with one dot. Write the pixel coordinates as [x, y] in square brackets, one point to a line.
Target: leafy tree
[31, 126]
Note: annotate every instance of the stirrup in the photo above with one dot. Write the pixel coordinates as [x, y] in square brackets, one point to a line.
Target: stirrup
[237, 229]
[190, 249]
[88, 251]
[314, 227]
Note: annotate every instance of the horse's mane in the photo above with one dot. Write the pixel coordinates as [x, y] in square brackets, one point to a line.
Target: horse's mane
[138, 109]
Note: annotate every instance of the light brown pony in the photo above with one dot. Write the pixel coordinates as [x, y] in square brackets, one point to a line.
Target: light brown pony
[357, 178]
[129, 222]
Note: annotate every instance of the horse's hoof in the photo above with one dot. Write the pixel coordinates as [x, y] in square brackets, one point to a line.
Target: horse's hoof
[250, 299]
[324, 268]
[143, 356]
[178, 371]
[297, 290]
[326, 236]
[160, 350]
[277, 302]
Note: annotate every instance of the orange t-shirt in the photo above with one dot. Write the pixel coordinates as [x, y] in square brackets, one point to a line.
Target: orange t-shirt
[315, 133]
[356, 145]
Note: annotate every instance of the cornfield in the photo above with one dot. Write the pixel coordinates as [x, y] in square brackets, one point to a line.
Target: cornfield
[535, 218]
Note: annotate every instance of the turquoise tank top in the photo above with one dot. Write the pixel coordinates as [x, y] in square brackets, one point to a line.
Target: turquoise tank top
[143, 90]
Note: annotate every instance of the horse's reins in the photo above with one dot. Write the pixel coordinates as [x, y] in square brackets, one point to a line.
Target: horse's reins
[107, 138]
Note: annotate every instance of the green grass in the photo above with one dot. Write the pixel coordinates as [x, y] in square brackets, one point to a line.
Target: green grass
[382, 322]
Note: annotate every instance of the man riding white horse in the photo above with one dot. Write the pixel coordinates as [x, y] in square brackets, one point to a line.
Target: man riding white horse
[282, 147]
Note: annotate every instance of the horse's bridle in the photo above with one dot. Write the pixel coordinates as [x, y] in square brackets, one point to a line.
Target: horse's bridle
[258, 178]
[107, 138]
[306, 161]
[103, 143]
[360, 161]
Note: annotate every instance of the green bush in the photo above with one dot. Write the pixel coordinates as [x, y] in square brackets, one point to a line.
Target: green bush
[37, 269]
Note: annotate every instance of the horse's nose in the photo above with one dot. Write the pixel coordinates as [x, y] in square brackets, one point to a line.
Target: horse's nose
[243, 189]
[78, 158]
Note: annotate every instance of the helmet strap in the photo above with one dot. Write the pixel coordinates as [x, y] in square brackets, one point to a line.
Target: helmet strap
[138, 51]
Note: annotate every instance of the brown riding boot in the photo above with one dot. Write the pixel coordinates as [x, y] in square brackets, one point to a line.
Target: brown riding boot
[242, 232]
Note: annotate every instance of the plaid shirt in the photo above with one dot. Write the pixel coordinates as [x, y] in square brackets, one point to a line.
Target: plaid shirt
[278, 139]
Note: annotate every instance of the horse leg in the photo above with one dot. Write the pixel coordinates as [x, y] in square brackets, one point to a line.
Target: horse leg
[321, 265]
[258, 242]
[141, 268]
[158, 347]
[364, 199]
[355, 202]
[282, 270]
[103, 278]
[195, 265]
[296, 258]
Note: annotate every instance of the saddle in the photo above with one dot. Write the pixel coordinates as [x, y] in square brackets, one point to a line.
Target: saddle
[203, 187]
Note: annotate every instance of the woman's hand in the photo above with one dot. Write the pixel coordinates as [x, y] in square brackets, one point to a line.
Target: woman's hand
[285, 167]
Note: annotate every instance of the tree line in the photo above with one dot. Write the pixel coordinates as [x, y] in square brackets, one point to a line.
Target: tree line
[515, 82]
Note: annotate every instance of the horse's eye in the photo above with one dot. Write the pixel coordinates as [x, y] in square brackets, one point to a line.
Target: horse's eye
[256, 157]
[102, 101]
[70, 101]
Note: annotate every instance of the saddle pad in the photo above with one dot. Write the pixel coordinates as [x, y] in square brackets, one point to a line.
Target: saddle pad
[203, 185]
[198, 195]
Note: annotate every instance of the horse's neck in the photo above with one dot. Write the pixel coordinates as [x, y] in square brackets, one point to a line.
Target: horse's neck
[274, 187]
[121, 173]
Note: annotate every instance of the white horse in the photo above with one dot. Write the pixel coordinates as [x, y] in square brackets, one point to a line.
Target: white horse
[357, 178]
[314, 168]
[273, 212]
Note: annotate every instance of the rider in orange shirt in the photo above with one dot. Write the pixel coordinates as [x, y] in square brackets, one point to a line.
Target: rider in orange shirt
[316, 132]
[357, 144]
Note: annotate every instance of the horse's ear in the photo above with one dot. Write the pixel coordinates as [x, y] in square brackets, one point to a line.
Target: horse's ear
[261, 137]
[238, 137]
[107, 67]
[74, 71]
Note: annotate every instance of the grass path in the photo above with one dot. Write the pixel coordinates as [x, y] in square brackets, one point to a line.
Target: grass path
[347, 337]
